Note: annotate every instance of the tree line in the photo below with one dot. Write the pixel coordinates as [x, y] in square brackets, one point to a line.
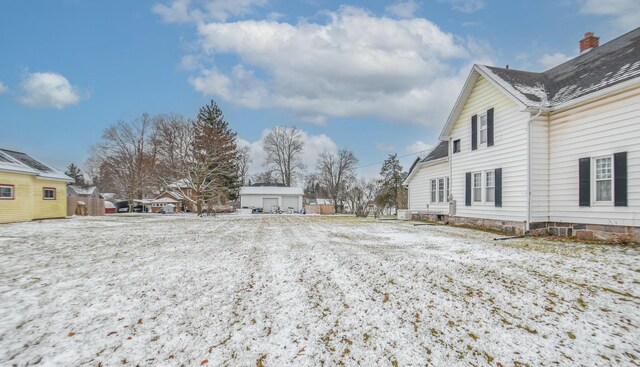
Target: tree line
[140, 158]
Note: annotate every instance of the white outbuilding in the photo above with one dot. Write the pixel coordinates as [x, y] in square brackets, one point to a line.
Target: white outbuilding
[271, 198]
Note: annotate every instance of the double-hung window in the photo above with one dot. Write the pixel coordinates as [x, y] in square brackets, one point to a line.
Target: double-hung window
[6, 192]
[477, 187]
[483, 129]
[441, 190]
[604, 179]
[49, 193]
[434, 190]
[490, 186]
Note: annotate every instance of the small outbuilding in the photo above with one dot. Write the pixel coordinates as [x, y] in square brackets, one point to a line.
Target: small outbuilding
[84, 201]
[271, 197]
[109, 207]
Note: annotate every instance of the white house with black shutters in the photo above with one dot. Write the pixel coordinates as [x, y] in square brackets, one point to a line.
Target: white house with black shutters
[553, 152]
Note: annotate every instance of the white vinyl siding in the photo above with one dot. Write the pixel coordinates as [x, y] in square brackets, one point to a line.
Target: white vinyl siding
[598, 129]
[419, 187]
[539, 169]
[508, 152]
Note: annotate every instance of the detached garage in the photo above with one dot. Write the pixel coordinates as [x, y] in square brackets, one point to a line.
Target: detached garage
[271, 197]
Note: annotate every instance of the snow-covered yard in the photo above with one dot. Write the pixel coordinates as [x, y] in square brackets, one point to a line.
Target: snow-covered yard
[309, 291]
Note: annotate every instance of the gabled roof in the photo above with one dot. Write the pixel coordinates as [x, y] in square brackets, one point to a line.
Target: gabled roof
[440, 151]
[79, 190]
[613, 63]
[19, 162]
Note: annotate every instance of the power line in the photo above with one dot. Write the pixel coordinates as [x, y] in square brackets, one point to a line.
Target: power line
[402, 156]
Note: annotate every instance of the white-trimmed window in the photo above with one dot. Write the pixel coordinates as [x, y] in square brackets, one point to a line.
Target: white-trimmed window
[441, 198]
[477, 187]
[489, 186]
[482, 132]
[434, 190]
[7, 192]
[447, 197]
[49, 193]
[603, 179]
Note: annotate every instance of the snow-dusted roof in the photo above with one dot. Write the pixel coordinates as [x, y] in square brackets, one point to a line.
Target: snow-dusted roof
[270, 190]
[109, 205]
[612, 63]
[163, 200]
[82, 190]
[12, 161]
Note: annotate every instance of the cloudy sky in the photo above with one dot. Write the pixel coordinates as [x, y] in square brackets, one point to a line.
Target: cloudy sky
[376, 77]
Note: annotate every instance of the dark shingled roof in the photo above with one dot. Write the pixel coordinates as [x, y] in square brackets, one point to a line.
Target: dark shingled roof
[440, 151]
[612, 63]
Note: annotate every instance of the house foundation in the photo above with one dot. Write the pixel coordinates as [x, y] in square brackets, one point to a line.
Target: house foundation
[580, 231]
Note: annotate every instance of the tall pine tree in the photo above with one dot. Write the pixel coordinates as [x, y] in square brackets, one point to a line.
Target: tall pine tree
[75, 173]
[215, 147]
[391, 182]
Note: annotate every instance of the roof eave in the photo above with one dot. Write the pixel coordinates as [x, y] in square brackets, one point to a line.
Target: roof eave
[423, 165]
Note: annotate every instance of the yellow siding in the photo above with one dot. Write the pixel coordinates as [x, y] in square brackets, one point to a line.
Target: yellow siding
[18, 209]
[49, 208]
[28, 202]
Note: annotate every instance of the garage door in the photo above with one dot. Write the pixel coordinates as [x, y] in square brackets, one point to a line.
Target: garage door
[269, 204]
[290, 202]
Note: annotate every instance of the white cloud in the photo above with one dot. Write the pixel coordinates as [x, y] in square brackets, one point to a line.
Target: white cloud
[466, 6]
[403, 9]
[3, 88]
[419, 147]
[48, 90]
[624, 12]
[313, 146]
[548, 61]
[385, 148]
[347, 67]
[183, 11]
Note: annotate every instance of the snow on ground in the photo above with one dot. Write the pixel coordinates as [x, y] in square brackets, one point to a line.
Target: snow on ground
[308, 291]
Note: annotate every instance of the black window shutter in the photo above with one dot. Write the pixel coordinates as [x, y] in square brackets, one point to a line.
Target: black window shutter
[498, 187]
[585, 181]
[620, 178]
[490, 127]
[474, 132]
[467, 189]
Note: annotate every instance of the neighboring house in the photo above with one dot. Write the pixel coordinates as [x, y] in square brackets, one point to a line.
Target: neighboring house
[182, 202]
[159, 203]
[89, 196]
[555, 152]
[187, 197]
[270, 197]
[30, 189]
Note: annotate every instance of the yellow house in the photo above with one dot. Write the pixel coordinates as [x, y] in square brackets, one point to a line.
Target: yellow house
[30, 189]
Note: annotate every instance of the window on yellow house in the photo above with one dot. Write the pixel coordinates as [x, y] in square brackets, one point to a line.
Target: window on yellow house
[49, 193]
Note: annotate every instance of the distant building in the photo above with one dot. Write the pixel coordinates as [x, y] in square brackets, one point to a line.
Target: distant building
[88, 196]
[271, 197]
[30, 189]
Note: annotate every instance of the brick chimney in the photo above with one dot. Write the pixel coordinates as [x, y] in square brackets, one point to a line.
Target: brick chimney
[588, 42]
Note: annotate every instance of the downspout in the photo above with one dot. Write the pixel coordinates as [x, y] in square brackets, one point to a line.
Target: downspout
[527, 224]
[450, 195]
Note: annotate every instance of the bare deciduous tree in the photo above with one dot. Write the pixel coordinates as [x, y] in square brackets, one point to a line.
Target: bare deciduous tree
[283, 146]
[244, 159]
[127, 155]
[360, 194]
[334, 171]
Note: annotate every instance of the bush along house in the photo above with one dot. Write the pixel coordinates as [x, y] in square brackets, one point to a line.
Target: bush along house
[556, 152]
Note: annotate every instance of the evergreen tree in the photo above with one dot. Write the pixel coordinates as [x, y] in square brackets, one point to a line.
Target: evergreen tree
[215, 147]
[391, 182]
[75, 173]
